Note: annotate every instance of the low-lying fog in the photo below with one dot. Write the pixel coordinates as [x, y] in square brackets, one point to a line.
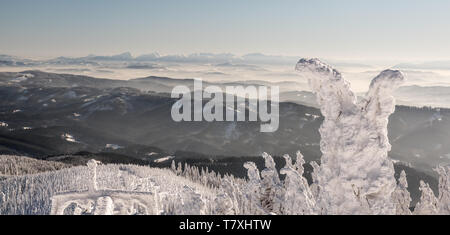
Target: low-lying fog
[426, 85]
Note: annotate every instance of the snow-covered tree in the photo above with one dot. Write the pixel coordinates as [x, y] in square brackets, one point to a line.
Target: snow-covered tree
[192, 202]
[223, 205]
[288, 161]
[297, 199]
[92, 165]
[173, 166]
[228, 201]
[252, 191]
[354, 140]
[299, 161]
[315, 185]
[2, 198]
[401, 196]
[179, 169]
[428, 202]
[444, 189]
[271, 186]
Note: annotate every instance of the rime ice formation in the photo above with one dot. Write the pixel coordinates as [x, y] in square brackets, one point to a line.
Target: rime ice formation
[444, 190]
[134, 190]
[297, 189]
[288, 161]
[428, 202]
[252, 190]
[103, 201]
[354, 140]
[299, 161]
[315, 186]
[2, 198]
[92, 166]
[401, 196]
[271, 186]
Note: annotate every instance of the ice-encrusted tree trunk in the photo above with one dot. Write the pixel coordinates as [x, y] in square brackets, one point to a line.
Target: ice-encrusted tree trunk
[354, 140]
[428, 202]
[401, 196]
[444, 189]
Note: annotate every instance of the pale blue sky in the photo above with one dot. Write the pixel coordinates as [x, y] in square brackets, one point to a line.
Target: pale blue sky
[345, 29]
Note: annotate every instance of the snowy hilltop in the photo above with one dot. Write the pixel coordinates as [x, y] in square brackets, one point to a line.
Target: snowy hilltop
[355, 174]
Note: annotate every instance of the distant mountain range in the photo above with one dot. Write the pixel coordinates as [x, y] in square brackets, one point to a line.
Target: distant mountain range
[257, 58]
[221, 59]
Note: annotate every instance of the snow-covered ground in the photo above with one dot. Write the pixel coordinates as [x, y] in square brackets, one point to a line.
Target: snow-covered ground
[131, 189]
[37, 190]
[68, 137]
[163, 159]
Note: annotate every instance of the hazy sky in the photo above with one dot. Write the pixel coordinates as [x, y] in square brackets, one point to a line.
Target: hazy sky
[344, 29]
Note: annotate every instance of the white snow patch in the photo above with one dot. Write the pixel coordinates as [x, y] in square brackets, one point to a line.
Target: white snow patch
[68, 138]
[3, 124]
[312, 115]
[22, 78]
[113, 146]
[163, 159]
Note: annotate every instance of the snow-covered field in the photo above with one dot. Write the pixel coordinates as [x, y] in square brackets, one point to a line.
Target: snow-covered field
[32, 194]
[131, 189]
